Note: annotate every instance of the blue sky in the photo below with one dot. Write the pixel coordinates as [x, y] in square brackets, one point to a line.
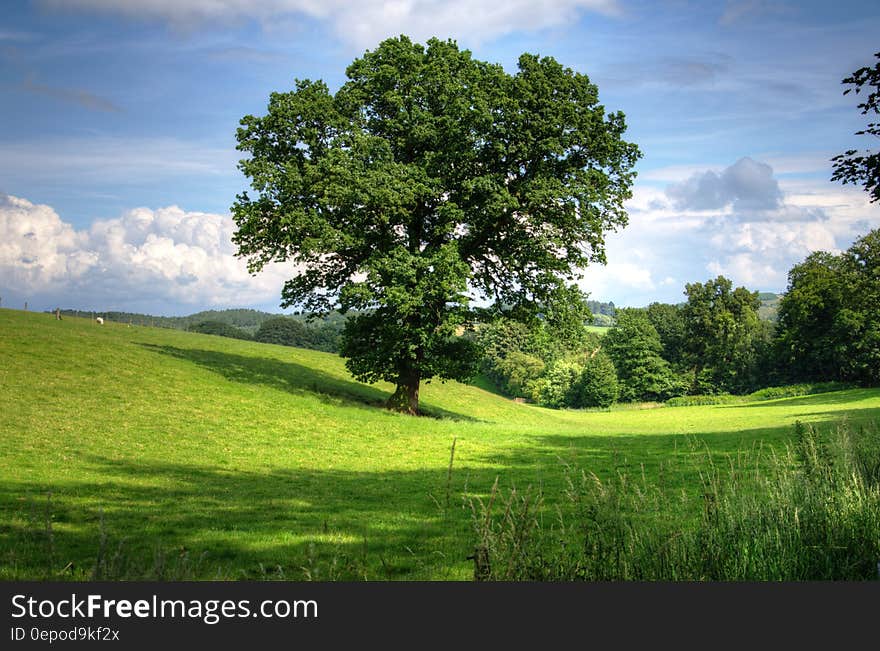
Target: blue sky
[118, 167]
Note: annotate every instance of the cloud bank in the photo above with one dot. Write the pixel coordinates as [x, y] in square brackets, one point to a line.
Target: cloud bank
[745, 185]
[365, 23]
[161, 260]
[740, 221]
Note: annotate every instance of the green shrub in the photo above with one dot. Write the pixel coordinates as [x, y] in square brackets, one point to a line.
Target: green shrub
[705, 383]
[558, 387]
[793, 390]
[514, 354]
[769, 393]
[519, 371]
[711, 399]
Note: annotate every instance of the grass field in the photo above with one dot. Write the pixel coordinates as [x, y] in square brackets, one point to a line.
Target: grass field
[194, 456]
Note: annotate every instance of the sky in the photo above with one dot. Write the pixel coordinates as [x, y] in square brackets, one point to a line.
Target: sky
[118, 164]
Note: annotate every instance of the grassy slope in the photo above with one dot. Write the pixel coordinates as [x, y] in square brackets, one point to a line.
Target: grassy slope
[265, 457]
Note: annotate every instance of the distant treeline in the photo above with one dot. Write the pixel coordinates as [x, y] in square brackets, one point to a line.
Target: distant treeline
[603, 313]
[722, 340]
[318, 333]
[713, 343]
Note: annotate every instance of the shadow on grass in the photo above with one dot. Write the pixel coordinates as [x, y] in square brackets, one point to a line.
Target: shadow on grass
[648, 454]
[291, 377]
[299, 523]
[296, 523]
[278, 523]
[305, 523]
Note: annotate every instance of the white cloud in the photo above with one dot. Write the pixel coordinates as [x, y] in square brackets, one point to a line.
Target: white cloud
[758, 249]
[627, 281]
[760, 254]
[166, 257]
[745, 185]
[37, 249]
[365, 23]
[599, 279]
[666, 246]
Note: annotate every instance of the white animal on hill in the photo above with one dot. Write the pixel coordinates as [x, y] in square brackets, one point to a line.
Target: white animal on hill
[100, 321]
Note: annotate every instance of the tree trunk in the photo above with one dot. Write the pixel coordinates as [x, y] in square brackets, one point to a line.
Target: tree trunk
[405, 398]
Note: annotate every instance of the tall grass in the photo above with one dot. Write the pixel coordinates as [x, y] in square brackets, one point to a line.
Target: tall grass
[115, 559]
[810, 512]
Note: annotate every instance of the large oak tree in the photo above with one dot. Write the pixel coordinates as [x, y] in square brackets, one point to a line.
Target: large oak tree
[431, 182]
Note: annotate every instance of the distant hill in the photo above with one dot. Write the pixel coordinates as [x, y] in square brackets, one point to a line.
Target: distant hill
[769, 305]
[190, 457]
[318, 333]
[250, 320]
[244, 319]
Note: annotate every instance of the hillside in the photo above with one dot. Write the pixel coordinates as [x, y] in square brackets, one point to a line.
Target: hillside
[245, 319]
[769, 305]
[243, 460]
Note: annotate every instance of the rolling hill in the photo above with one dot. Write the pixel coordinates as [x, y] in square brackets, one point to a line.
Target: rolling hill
[148, 452]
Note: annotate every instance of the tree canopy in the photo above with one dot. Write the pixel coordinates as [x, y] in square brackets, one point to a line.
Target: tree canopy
[813, 326]
[288, 331]
[428, 183]
[667, 319]
[219, 328]
[597, 386]
[725, 337]
[829, 319]
[634, 346]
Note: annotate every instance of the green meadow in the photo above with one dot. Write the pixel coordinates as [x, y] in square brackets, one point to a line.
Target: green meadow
[129, 452]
